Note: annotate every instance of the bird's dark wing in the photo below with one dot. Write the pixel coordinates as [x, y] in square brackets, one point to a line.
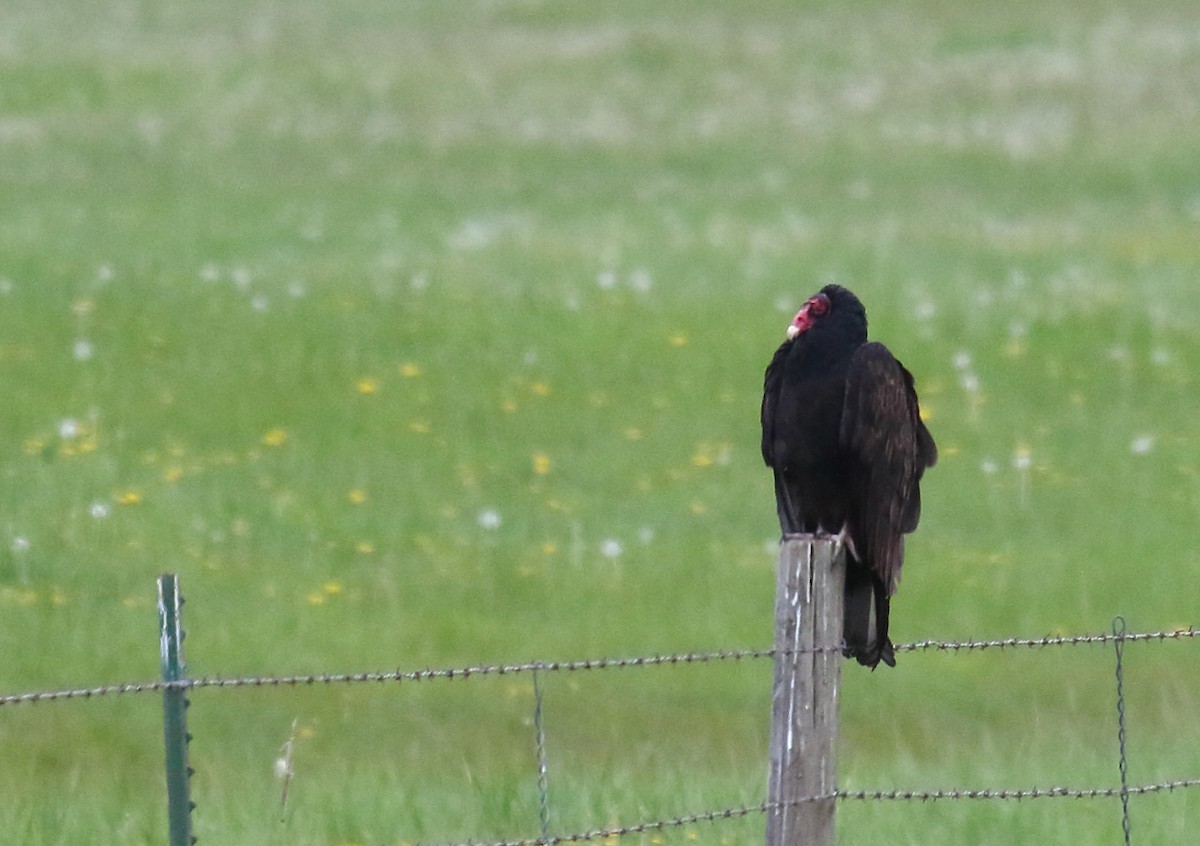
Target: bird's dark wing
[772, 382]
[890, 448]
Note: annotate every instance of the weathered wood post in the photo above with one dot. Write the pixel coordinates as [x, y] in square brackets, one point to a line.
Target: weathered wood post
[804, 703]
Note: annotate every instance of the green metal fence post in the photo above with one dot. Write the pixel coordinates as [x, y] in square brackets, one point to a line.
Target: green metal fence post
[175, 703]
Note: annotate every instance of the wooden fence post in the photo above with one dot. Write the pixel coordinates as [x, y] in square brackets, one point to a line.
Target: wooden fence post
[804, 703]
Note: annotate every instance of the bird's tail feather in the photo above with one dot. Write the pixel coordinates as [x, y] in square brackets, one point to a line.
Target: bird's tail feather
[789, 512]
[856, 630]
[865, 625]
[884, 650]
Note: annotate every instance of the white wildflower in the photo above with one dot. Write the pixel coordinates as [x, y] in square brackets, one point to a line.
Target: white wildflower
[611, 548]
[1142, 444]
[83, 350]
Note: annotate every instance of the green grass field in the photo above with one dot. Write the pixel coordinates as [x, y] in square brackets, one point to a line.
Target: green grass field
[432, 333]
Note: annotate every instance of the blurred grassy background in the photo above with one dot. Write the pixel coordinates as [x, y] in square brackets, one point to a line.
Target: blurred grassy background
[427, 334]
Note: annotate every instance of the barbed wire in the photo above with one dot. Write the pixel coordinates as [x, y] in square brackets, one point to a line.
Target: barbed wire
[678, 659]
[1018, 795]
[671, 659]
[639, 828]
[1037, 642]
[391, 676]
[743, 811]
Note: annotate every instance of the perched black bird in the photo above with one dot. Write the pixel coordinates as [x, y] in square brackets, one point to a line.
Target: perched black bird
[842, 430]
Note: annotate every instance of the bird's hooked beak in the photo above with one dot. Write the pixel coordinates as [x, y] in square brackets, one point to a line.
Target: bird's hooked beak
[807, 315]
[799, 323]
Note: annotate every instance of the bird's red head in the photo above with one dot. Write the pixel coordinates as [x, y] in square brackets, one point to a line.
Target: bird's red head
[812, 310]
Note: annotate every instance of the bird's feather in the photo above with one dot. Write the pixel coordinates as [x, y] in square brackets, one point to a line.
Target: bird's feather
[888, 448]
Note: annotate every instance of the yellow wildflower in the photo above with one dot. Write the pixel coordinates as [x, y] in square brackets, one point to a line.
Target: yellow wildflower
[18, 596]
[275, 437]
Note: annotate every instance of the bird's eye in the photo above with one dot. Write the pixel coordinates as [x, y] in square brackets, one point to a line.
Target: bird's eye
[818, 305]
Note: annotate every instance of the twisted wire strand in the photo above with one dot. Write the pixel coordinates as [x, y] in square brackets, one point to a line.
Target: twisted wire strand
[1018, 795]
[674, 659]
[1038, 642]
[742, 811]
[1119, 630]
[389, 676]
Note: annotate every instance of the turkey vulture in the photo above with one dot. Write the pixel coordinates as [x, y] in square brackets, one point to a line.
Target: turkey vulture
[842, 431]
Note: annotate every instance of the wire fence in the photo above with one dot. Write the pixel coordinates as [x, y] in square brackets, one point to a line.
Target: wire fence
[1118, 638]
